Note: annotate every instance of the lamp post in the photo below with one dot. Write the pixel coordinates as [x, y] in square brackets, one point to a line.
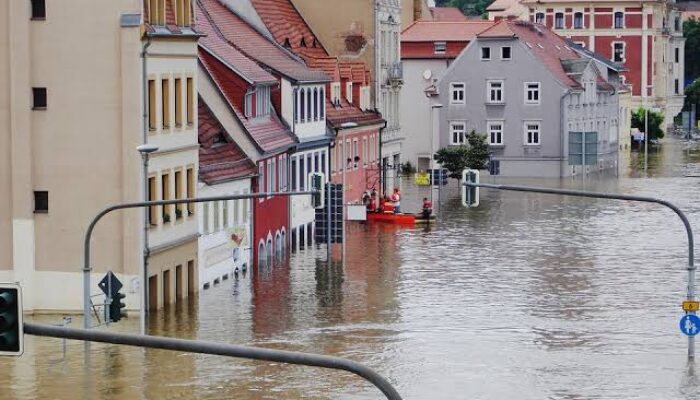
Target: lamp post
[145, 150]
[433, 136]
[646, 128]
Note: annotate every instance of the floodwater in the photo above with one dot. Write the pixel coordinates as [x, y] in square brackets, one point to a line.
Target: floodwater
[525, 297]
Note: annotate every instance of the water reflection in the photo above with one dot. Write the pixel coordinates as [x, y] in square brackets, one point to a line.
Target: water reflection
[527, 296]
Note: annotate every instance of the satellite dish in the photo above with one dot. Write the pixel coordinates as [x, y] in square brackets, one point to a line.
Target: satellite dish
[427, 74]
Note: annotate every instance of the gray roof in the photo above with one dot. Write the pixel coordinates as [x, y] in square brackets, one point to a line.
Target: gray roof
[603, 60]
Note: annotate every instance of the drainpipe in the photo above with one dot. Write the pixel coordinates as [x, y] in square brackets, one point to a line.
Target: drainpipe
[562, 129]
[382, 167]
[146, 251]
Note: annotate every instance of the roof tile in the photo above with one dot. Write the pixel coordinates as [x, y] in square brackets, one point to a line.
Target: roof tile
[430, 31]
[447, 14]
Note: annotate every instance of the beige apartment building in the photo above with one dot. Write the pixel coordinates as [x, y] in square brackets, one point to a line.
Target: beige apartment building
[72, 98]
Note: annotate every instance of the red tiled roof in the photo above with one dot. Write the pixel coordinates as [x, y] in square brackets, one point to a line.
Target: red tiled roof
[501, 5]
[170, 26]
[430, 31]
[546, 45]
[215, 44]
[447, 14]
[347, 112]
[267, 132]
[256, 46]
[219, 163]
[329, 65]
[287, 25]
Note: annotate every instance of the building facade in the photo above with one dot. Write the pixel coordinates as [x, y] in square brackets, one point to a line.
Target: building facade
[646, 37]
[428, 48]
[534, 97]
[54, 180]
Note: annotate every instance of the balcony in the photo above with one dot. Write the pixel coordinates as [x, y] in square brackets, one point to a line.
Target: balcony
[395, 74]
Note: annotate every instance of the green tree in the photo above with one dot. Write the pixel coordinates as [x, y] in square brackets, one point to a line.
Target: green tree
[655, 122]
[691, 32]
[458, 158]
[692, 94]
[468, 7]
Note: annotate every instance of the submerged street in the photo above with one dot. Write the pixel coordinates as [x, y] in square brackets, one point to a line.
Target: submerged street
[525, 297]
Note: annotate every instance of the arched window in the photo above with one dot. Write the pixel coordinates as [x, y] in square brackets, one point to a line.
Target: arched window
[619, 20]
[268, 256]
[278, 247]
[261, 254]
[296, 107]
[322, 103]
[302, 104]
[578, 20]
[315, 106]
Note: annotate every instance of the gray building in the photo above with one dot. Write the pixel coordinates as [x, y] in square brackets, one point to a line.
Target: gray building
[547, 110]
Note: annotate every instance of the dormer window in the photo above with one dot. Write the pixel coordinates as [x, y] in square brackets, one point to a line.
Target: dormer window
[302, 43]
[219, 140]
[262, 101]
[348, 91]
[287, 44]
[335, 93]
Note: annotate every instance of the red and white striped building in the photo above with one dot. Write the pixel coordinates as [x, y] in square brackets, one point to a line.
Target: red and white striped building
[645, 36]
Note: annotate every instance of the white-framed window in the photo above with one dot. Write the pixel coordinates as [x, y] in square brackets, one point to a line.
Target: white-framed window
[458, 132]
[559, 20]
[262, 101]
[495, 131]
[532, 133]
[457, 93]
[485, 53]
[365, 152]
[348, 91]
[261, 180]
[355, 152]
[335, 92]
[506, 53]
[618, 51]
[532, 93]
[578, 20]
[619, 20]
[494, 92]
[248, 107]
[440, 47]
[539, 18]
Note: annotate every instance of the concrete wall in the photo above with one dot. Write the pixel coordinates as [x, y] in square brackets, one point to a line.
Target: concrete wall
[415, 111]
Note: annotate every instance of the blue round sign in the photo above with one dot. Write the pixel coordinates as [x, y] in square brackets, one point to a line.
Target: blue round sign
[690, 324]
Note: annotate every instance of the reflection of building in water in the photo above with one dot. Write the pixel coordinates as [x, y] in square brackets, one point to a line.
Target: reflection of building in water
[271, 292]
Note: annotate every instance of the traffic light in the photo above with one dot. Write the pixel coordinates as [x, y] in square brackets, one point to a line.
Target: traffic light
[317, 182]
[115, 308]
[11, 328]
[470, 194]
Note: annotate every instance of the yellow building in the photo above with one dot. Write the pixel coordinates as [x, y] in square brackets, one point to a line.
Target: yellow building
[71, 117]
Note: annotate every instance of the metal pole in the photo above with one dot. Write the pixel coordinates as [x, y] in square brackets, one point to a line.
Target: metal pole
[221, 349]
[646, 131]
[88, 234]
[345, 167]
[579, 193]
[144, 268]
[328, 222]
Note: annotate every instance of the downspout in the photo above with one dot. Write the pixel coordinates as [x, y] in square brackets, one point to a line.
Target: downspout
[146, 251]
[382, 167]
[562, 130]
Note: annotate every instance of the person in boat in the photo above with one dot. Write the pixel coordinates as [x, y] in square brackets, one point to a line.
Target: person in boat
[427, 209]
[387, 207]
[396, 199]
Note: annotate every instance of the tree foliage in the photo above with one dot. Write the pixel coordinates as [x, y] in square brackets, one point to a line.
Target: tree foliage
[691, 32]
[655, 122]
[458, 158]
[692, 94]
[468, 7]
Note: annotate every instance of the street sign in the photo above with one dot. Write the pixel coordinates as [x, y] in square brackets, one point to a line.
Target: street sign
[691, 305]
[690, 324]
[110, 281]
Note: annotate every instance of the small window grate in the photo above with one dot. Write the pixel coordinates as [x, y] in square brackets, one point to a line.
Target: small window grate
[41, 201]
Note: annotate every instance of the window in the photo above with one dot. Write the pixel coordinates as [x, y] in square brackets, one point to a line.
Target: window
[261, 255]
[323, 162]
[294, 174]
[322, 103]
[262, 101]
[458, 133]
[618, 52]
[152, 104]
[157, 12]
[315, 104]
[485, 53]
[495, 130]
[152, 210]
[355, 152]
[39, 100]
[190, 101]
[559, 20]
[41, 201]
[165, 195]
[38, 9]
[619, 20]
[532, 93]
[302, 173]
[578, 20]
[676, 85]
[677, 54]
[539, 18]
[456, 93]
[532, 133]
[348, 91]
[165, 97]
[365, 153]
[178, 102]
[190, 189]
[677, 24]
[494, 92]
[178, 194]
[261, 180]
[440, 47]
[182, 12]
[302, 105]
[505, 53]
